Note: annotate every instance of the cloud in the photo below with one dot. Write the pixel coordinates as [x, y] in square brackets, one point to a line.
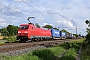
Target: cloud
[65, 23]
[20, 0]
[74, 22]
[47, 24]
[62, 11]
[2, 22]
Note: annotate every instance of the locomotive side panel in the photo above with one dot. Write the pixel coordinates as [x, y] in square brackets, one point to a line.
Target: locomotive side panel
[42, 33]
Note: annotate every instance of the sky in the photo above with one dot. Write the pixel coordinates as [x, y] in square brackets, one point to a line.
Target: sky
[62, 14]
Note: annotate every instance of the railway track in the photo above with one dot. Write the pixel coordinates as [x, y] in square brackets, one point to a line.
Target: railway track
[19, 46]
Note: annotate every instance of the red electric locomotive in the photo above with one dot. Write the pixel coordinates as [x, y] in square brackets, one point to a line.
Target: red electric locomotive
[31, 32]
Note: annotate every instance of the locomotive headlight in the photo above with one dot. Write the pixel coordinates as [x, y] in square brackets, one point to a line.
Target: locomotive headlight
[19, 31]
[25, 32]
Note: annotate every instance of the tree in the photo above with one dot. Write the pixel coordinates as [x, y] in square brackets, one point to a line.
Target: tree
[88, 23]
[88, 37]
[37, 25]
[88, 30]
[15, 30]
[63, 30]
[48, 26]
[56, 28]
[12, 30]
[0, 30]
[4, 32]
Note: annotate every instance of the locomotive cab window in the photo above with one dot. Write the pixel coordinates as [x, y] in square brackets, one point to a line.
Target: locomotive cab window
[23, 27]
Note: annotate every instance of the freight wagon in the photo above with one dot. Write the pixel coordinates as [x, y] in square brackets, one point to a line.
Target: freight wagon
[55, 34]
[63, 35]
[31, 32]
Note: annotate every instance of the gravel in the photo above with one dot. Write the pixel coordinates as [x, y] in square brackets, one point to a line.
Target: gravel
[22, 51]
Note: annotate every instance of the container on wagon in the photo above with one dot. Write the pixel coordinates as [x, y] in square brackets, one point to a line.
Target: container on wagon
[63, 35]
[55, 33]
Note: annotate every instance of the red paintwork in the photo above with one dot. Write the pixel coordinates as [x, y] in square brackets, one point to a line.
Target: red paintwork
[33, 31]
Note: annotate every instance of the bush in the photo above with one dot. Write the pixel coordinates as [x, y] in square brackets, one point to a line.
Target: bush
[88, 37]
[69, 55]
[29, 56]
[86, 53]
[45, 54]
[57, 50]
[11, 39]
[22, 57]
[86, 48]
[65, 45]
[5, 38]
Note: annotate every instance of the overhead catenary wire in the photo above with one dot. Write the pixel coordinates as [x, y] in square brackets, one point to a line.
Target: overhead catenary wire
[29, 5]
[13, 10]
[37, 9]
[18, 11]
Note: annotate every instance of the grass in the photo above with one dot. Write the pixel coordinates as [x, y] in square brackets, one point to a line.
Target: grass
[9, 39]
[69, 55]
[57, 50]
[78, 40]
[85, 51]
[2, 42]
[50, 53]
[22, 57]
[42, 54]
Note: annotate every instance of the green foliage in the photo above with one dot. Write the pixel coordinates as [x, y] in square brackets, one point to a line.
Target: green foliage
[88, 37]
[57, 50]
[29, 56]
[11, 39]
[48, 26]
[0, 30]
[69, 55]
[87, 30]
[85, 52]
[3, 57]
[22, 57]
[65, 45]
[87, 22]
[74, 44]
[86, 44]
[4, 32]
[10, 30]
[37, 25]
[45, 54]
[5, 38]
[49, 53]
[2, 43]
[63, 30]
[56, 28]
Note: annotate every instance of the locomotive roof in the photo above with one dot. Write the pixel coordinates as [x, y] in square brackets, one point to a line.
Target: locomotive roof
[27, 24]
[24, 24]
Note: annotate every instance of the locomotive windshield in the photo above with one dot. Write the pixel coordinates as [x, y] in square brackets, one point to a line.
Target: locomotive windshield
[23, 27]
